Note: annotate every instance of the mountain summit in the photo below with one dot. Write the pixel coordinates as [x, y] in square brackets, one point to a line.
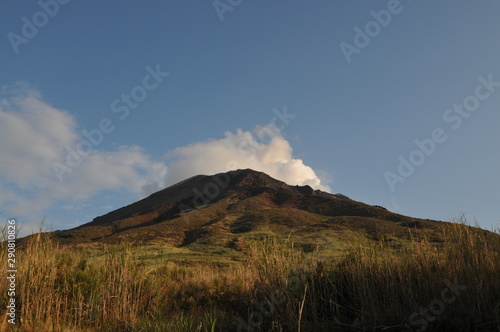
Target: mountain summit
[223, 208]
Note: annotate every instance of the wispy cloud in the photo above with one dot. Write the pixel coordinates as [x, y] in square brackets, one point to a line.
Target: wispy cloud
[34, 133]
[262, 149]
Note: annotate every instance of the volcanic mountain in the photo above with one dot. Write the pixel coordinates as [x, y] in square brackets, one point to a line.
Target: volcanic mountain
[224, 209]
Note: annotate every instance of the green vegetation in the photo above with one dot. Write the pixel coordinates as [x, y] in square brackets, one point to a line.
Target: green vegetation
[273, 284]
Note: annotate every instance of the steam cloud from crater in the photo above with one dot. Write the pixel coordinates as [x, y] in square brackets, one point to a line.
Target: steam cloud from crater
[34, 134]
[262, 149]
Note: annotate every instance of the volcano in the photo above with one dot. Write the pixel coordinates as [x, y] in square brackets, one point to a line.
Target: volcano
[223, 209]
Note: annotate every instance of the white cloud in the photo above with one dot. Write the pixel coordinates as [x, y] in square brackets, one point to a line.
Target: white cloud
[33, 134]
[263, 149]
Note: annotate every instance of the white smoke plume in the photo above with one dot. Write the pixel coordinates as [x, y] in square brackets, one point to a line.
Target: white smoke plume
[35, 134]
[262, 149]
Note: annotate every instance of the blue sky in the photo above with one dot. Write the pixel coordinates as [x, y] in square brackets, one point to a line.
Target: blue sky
[238, 71]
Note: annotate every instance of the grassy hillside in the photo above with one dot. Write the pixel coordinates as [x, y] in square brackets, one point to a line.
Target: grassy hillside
[248, 201]
[271, 283]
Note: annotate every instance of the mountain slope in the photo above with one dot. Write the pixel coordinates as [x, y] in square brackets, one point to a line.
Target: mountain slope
[220, 211]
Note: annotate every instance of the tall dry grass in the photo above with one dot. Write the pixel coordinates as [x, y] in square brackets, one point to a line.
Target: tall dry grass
[62, 290]
[385, 287]
[382, 287]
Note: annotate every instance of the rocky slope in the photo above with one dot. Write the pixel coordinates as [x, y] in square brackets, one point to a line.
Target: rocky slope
[224, 209]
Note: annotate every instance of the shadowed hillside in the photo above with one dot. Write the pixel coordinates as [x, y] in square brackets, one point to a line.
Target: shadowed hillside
[223, 209]
[241, 251]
